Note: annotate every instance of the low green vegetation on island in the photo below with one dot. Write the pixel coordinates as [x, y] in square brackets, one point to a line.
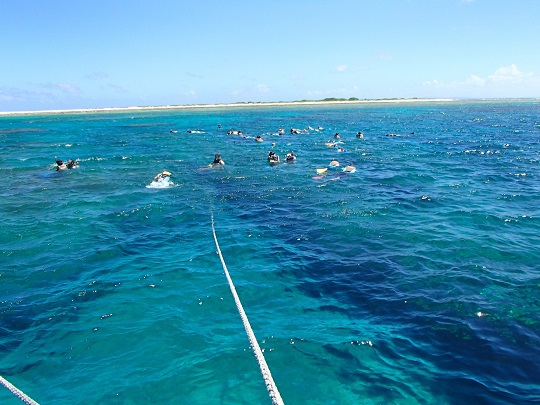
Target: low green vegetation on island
[325, 100]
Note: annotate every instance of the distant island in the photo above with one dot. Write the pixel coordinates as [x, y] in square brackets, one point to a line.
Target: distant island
[330, 100]
[334, 99]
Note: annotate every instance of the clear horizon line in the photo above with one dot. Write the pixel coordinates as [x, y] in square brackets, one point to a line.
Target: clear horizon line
[254, 103]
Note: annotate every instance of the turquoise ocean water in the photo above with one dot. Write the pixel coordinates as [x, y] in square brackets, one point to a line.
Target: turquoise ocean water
[415, 280]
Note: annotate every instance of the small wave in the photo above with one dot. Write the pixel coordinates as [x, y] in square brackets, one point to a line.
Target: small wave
[155, 184]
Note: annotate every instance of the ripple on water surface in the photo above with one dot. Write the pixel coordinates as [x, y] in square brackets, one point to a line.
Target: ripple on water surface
[413, 280]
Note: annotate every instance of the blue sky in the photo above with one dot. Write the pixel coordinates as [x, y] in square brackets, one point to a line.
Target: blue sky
[116, 53]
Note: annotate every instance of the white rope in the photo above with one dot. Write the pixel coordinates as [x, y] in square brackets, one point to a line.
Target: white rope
[270, 385]
[22, 396]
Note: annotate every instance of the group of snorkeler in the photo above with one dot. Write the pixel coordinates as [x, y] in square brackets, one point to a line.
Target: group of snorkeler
[71, 164]
[274, 158]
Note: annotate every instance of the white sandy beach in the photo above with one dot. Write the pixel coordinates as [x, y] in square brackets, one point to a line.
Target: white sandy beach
[239, 104]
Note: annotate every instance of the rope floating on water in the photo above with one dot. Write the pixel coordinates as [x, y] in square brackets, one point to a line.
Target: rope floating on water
[14, 390]
[269, 381]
